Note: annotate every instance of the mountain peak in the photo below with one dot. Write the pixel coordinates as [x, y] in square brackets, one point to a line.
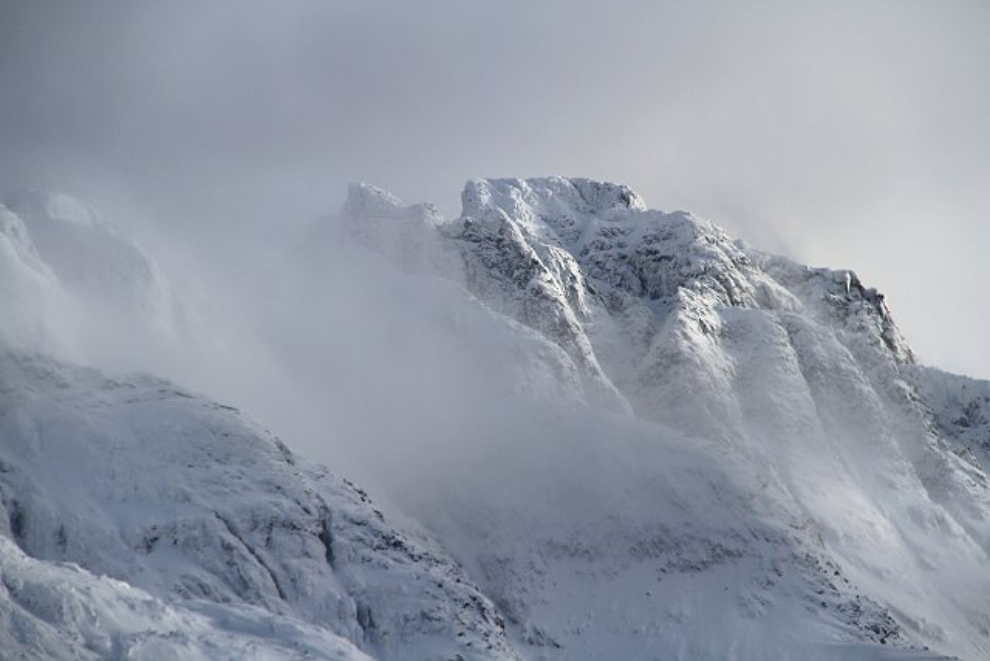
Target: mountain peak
[556, 206]
[585, 195]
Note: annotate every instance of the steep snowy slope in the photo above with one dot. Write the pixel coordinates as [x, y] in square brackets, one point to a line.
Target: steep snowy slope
[233, 539]
[810, 424]
[61, 611]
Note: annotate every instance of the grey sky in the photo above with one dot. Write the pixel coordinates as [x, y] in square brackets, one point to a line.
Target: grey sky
[848, 134]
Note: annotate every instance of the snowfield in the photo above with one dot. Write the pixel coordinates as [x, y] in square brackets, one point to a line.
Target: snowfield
[601, 431]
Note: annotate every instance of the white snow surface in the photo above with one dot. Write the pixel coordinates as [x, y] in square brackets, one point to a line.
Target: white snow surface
[61, 611]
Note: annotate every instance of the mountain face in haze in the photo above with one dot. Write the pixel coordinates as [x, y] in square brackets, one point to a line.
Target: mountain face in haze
[97, 295]
[94, 260]
[804, 468]
[658, 443]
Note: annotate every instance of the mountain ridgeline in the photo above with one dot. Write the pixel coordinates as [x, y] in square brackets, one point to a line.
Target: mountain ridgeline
[653, 441]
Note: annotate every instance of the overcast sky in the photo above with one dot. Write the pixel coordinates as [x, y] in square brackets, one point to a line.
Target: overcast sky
[848, 134]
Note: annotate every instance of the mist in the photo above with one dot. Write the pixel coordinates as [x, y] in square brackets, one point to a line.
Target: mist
[219, 134]
[840, 134]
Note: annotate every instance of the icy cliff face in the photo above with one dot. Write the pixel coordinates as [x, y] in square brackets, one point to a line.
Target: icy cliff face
[211, 518]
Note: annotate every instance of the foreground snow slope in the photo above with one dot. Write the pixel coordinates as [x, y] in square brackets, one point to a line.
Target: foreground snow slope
[225, 533]
[822, 496]
[61, 611]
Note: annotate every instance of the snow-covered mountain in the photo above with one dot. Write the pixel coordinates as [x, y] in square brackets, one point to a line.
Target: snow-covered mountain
[626, 434]
[821, 460]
